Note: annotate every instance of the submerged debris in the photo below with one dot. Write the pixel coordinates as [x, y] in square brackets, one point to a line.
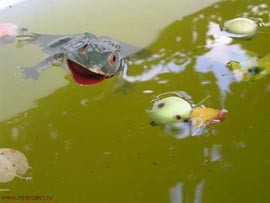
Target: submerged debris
[254, 70]
[13, 163]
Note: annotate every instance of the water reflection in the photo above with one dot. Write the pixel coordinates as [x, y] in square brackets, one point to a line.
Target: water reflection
[162, 62]
[178, 194]
[184, 130]
[213, 153]
[197, 42]
[192, 188]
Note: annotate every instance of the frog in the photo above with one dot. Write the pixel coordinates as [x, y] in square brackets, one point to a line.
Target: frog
[89, 59]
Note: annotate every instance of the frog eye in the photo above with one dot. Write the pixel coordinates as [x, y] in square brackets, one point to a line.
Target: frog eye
[83, 49]
[112, 58]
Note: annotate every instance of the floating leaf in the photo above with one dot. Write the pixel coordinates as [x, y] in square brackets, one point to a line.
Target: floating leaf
[7, 170]
[18, 158]
[13, 163]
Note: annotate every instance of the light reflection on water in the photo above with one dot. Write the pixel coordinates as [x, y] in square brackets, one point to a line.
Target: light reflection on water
[178, 194]
[174, 63]
[220, 49]
[213, 154]
[187, 190]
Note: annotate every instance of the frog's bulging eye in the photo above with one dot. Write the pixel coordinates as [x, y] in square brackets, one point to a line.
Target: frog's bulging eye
[112, 58]
[83, 49]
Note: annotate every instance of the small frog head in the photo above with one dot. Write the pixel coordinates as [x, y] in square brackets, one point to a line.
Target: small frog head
[91, 60]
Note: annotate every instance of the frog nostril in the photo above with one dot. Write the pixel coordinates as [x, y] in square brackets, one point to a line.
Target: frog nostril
[83, 49]
[85, 46]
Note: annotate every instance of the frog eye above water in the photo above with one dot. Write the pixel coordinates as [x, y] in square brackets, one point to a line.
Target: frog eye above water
[112, 58]
[83, 49]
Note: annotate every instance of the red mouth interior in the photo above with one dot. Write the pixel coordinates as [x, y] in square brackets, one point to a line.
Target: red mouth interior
[83, 76]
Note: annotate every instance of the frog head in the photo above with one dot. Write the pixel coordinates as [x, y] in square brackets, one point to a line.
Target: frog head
[91, 60]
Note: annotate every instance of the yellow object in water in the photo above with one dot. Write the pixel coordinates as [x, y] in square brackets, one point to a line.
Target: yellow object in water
[206, 116]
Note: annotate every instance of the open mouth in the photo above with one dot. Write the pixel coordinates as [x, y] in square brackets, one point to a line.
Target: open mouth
[82, 75]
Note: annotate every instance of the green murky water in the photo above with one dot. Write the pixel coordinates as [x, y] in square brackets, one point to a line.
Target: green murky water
[96, 144]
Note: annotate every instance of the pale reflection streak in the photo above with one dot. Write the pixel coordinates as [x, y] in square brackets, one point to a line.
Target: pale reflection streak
[181, 194]
[198, 192]
[175, 63]
[177, 194]
[185, 130]
[213, 153]
[221, 52]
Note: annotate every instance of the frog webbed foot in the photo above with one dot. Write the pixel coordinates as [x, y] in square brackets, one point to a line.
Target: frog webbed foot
[34, 71]
[29, 72]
